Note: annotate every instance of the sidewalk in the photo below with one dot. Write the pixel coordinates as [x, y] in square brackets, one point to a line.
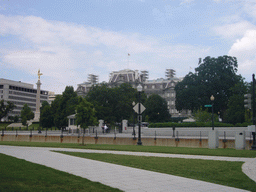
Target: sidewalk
[117, 176]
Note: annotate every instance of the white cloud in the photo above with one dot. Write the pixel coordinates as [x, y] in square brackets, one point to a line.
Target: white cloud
[244, 49]
[66, 52]
[233, 30]
[250, 8]
[186, 1]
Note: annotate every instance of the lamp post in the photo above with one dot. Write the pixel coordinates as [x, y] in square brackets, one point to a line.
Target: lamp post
[139, 89]
[253, 112]
[212, 99]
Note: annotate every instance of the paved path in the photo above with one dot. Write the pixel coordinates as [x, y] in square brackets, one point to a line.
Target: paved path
[122, 177]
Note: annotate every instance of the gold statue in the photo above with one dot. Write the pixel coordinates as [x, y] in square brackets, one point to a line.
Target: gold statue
[39, 74]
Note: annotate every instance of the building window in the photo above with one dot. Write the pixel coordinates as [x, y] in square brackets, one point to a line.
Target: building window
[72, 122]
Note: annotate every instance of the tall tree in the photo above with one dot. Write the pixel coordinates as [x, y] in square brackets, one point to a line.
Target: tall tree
[85, 115]
[46, 115]
[113, 104]
[214, 76]
[5, 109]
[26, 114]
[64, 106]
[236, 111]
[102, 97]
[157, 109]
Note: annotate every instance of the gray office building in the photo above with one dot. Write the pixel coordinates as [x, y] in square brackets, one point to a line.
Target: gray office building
[20, 93]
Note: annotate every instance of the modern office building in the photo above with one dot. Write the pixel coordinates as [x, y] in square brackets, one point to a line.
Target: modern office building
[161, 86]
[20, 93]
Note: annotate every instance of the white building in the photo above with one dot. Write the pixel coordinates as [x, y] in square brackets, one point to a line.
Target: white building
[20, 93]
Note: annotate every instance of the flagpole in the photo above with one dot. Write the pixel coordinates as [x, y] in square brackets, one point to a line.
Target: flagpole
[128, 61]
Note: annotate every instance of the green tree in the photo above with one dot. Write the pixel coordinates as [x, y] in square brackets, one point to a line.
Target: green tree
[125, 95]
[236, 111]
[46, 116]
[85, 115]
[214, 76]
[64, 106]
[113, 104]
[204, 116]
[102, 97]
[26, 114]
[5, 109]
[157, 109]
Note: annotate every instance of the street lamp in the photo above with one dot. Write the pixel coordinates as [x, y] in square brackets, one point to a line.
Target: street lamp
[212, 99]
[253, 112]
[139, 89]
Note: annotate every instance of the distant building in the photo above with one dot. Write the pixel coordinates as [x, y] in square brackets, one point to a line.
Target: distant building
[161, 86]
[20, 93]
[51, 97]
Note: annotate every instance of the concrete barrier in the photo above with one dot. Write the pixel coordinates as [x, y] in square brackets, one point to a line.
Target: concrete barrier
[172, 142]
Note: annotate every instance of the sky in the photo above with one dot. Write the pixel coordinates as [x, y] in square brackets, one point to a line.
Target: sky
[70, 39]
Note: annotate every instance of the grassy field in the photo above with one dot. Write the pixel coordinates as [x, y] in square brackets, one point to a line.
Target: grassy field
[220, 172]
[154, 149]
[20, 175]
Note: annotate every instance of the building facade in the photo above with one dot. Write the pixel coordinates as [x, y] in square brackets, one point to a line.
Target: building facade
[20, 93]
[162, 86]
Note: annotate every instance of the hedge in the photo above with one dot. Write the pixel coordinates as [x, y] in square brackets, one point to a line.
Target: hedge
[195, 124]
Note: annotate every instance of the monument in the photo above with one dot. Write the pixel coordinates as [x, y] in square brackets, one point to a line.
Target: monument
[38, 103]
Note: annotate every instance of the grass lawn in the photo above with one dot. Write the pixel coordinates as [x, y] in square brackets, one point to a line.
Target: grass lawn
[20, 175]
[154, 149]
[220, 172]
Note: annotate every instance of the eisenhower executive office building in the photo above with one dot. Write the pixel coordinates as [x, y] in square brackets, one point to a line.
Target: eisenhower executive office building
[163, 87]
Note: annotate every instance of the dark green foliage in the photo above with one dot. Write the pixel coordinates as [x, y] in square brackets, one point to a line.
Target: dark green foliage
[215, 76]
[191, 124]
[157, 109]
[46, 116]
[85, 114]
[5, 109]
[204, 116]
[113, 104]
[63, 106]
[236, 111]
[26, 114]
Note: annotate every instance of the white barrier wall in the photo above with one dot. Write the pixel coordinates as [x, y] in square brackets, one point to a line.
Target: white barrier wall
[213, 140]
[240, 140]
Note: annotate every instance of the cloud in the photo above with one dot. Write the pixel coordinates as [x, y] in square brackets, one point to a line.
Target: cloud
[67, 52]
[186, 1]
[250, 8]
[233, 31]
[244, 49]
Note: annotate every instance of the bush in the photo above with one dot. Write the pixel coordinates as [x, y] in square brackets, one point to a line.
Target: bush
[193, 124]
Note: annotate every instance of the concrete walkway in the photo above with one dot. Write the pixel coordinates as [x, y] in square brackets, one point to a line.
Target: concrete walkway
[122, 177]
